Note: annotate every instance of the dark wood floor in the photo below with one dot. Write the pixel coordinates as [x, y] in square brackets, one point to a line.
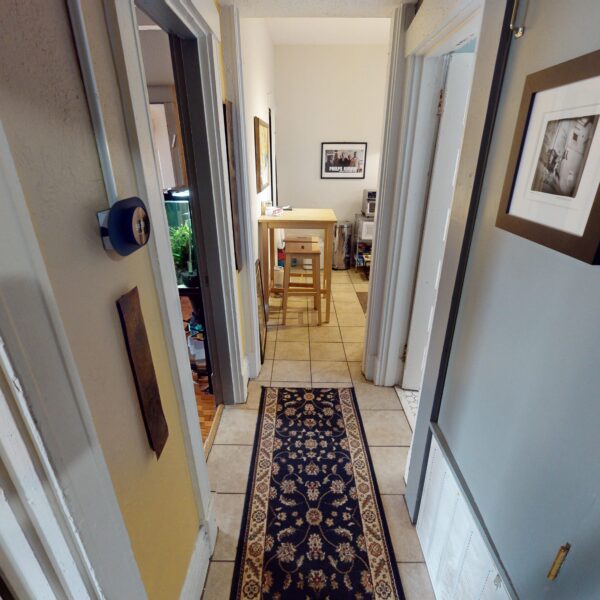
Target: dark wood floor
[205, 402]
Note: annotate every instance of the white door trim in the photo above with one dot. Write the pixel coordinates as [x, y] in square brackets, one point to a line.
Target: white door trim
[25, 460]
[42, 360]
[232, 63]
[410, 129]
[389, 210]
[122, 25]
[438, 27]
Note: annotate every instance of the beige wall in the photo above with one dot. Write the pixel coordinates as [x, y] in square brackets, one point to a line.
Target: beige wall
[327, 94]
[259, 95]
[43, 109]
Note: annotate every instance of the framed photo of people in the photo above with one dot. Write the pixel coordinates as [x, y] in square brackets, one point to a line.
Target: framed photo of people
[551, 191]
[343, 160]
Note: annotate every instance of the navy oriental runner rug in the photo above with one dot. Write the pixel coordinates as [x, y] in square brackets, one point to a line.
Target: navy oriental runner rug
[313, 525]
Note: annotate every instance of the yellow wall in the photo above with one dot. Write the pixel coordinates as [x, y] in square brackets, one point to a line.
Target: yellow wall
[43, 109]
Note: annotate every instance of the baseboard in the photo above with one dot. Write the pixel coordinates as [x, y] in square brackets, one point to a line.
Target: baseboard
[199, 562]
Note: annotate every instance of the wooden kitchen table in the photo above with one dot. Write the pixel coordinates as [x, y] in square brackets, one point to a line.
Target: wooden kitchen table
[297, 218]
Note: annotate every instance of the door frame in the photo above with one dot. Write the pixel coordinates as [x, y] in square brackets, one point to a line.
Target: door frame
[436, 30]
[419, 319]
[231, 44]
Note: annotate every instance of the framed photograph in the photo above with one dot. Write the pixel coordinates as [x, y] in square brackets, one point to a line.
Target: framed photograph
[261, 154]
[232, 172]
[262, 311]
[343, 160]
[551, 192]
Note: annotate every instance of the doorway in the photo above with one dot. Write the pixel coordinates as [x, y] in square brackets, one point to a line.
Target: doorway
[457, 76]
[171, 154]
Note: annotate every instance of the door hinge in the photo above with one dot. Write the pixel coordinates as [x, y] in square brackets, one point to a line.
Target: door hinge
[561, 555]
[404, 351]
[441, 102]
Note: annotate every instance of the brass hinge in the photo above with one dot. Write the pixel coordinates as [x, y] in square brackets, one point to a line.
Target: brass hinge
[561, 555]
[441, 102]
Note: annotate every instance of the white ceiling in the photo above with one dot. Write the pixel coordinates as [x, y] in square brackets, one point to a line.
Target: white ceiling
[315, 8]
[329, 31]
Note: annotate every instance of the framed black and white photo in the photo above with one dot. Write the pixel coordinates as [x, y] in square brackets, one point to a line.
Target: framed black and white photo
[551, 192]
[343, 160]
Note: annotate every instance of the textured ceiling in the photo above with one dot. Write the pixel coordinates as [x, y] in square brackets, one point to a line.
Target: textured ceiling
[329, 31]
[314, 8]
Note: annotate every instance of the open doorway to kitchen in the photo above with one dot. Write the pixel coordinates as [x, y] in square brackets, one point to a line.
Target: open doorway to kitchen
[169, 145]
[318, 86]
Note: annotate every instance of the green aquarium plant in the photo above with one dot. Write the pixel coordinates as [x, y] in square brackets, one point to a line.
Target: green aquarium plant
[182, 248]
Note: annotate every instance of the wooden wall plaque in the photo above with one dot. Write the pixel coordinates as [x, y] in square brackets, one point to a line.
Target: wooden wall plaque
[140, 358]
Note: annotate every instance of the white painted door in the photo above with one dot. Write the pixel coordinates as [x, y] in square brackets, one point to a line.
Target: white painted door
[441, 192]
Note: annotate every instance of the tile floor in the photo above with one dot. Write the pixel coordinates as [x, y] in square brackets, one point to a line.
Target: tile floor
[303, 354]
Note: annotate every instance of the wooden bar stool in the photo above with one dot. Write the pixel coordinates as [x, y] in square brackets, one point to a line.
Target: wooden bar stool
[306, 248]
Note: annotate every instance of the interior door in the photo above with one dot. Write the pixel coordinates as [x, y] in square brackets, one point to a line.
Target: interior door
[439, 204]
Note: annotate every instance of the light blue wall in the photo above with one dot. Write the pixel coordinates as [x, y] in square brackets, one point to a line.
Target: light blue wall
[521, 407]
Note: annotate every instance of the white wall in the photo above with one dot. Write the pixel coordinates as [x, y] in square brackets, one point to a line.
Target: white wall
[258, 64]
[327, 94]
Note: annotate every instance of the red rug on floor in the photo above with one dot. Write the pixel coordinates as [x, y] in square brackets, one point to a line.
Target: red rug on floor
[313, 524]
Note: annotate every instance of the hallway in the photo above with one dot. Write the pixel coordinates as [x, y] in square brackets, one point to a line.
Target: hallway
[301, 354]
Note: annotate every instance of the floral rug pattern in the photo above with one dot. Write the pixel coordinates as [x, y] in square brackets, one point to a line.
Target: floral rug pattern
[314, 526]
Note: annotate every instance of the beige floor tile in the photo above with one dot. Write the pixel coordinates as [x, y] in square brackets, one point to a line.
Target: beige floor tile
[313, 319]
[291, 370]
[415, 581]
[389, 463]
[254, 394]
[353, 350]
[325, 334]
[265, 371]
[376, 397]
[326, 370]
[352, 334]
[218, 581]
[296, 317]
[228, 511]
[346, 286]
[228, 468]
[361, 287]
[291, 384]
[327, 351]
[236, 427]
[402, 531]
[332, 384]
[340, 277]
[354, 318]
[295, 302]
[292, 333]
[292, 351]
[270, 349]
[345, 299]
[356, 372]
[386, 427]
[357, 276]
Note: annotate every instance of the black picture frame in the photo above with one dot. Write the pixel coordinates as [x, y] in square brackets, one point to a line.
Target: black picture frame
[262, 311]
[343, 171]
[587, 246]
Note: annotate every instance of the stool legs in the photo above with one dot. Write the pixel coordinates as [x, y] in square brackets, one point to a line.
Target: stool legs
[316, 275]
[286, 285]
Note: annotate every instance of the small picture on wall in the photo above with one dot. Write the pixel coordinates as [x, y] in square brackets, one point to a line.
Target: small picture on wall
[551, 191]
[262, 154]
[343, 160]
[563, 156]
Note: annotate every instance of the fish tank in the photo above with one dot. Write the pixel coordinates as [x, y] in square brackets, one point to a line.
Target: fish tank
[183, 246]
